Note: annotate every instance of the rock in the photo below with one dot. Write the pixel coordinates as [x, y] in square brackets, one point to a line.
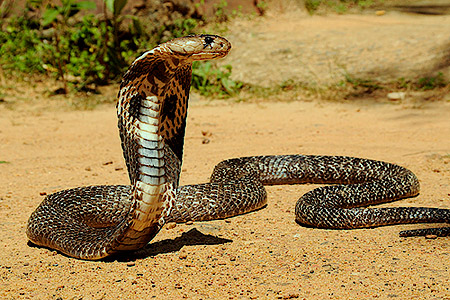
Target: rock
[396, 96]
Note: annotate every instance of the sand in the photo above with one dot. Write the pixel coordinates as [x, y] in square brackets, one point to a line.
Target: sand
[261, 255]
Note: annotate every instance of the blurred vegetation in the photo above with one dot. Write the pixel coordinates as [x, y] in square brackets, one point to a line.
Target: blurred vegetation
[67, 41]
[82, 50]
[339, 6]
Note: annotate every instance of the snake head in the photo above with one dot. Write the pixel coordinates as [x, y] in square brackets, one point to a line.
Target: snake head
[198, 47]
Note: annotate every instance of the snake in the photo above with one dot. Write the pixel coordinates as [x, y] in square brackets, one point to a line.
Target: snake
[94, 222]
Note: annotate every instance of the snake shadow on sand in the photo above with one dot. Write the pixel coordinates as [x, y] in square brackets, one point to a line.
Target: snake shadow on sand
[191, 238]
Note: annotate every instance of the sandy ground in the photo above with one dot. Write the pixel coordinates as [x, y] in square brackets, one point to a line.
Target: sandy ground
[262, 255]
[320, 50]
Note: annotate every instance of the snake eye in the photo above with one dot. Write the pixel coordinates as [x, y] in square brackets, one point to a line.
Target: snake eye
[209, 40]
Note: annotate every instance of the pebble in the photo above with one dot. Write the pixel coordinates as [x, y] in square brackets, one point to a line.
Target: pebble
[189, 223]
[131, 264]
[118, 169]
[430, 236]
[182, 256]
[206, 133]
[396, 96]
[107, 163]
[42, 193]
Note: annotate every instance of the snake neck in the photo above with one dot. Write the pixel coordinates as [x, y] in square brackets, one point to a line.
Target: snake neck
[152, 108]
[151, 112]
[156, 84]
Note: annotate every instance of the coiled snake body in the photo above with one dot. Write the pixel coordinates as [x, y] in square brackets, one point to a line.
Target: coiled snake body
[97, 221]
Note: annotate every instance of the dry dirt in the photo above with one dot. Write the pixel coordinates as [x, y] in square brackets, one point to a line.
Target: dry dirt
[261, 255]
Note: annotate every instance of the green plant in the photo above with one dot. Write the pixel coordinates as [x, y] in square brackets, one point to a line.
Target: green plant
[367, 85]
[79, 51]
[431, 82]
[84, 51]
[261, 6]
[181, 27]
[312, 5]
[338, 6]
[210, 80]
[5, 7]
[21, 47]
[219, 11]
[58, 16]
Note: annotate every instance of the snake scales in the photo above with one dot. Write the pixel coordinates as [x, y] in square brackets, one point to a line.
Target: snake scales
[96, 221]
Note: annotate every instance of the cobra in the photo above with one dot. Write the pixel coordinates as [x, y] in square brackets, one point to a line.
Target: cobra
[97, 221]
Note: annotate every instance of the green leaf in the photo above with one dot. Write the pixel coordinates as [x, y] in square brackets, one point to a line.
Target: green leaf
[116, 6]
[110, 5]
[86, 5]
[49, 15]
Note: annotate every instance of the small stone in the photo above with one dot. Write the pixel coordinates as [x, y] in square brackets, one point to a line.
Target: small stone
[87, 169]
[43, 193]
[396, 96]
[131, 264]
[206, 133]
[431, 236]
[182, 256]
[118, 169]
[227, 221]
[189, 223]
[107, 163]
[232, 258]
[380, 12]
[206, 141]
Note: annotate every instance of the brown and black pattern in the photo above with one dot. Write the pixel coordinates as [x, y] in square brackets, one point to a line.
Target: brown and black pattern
[90, 222]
